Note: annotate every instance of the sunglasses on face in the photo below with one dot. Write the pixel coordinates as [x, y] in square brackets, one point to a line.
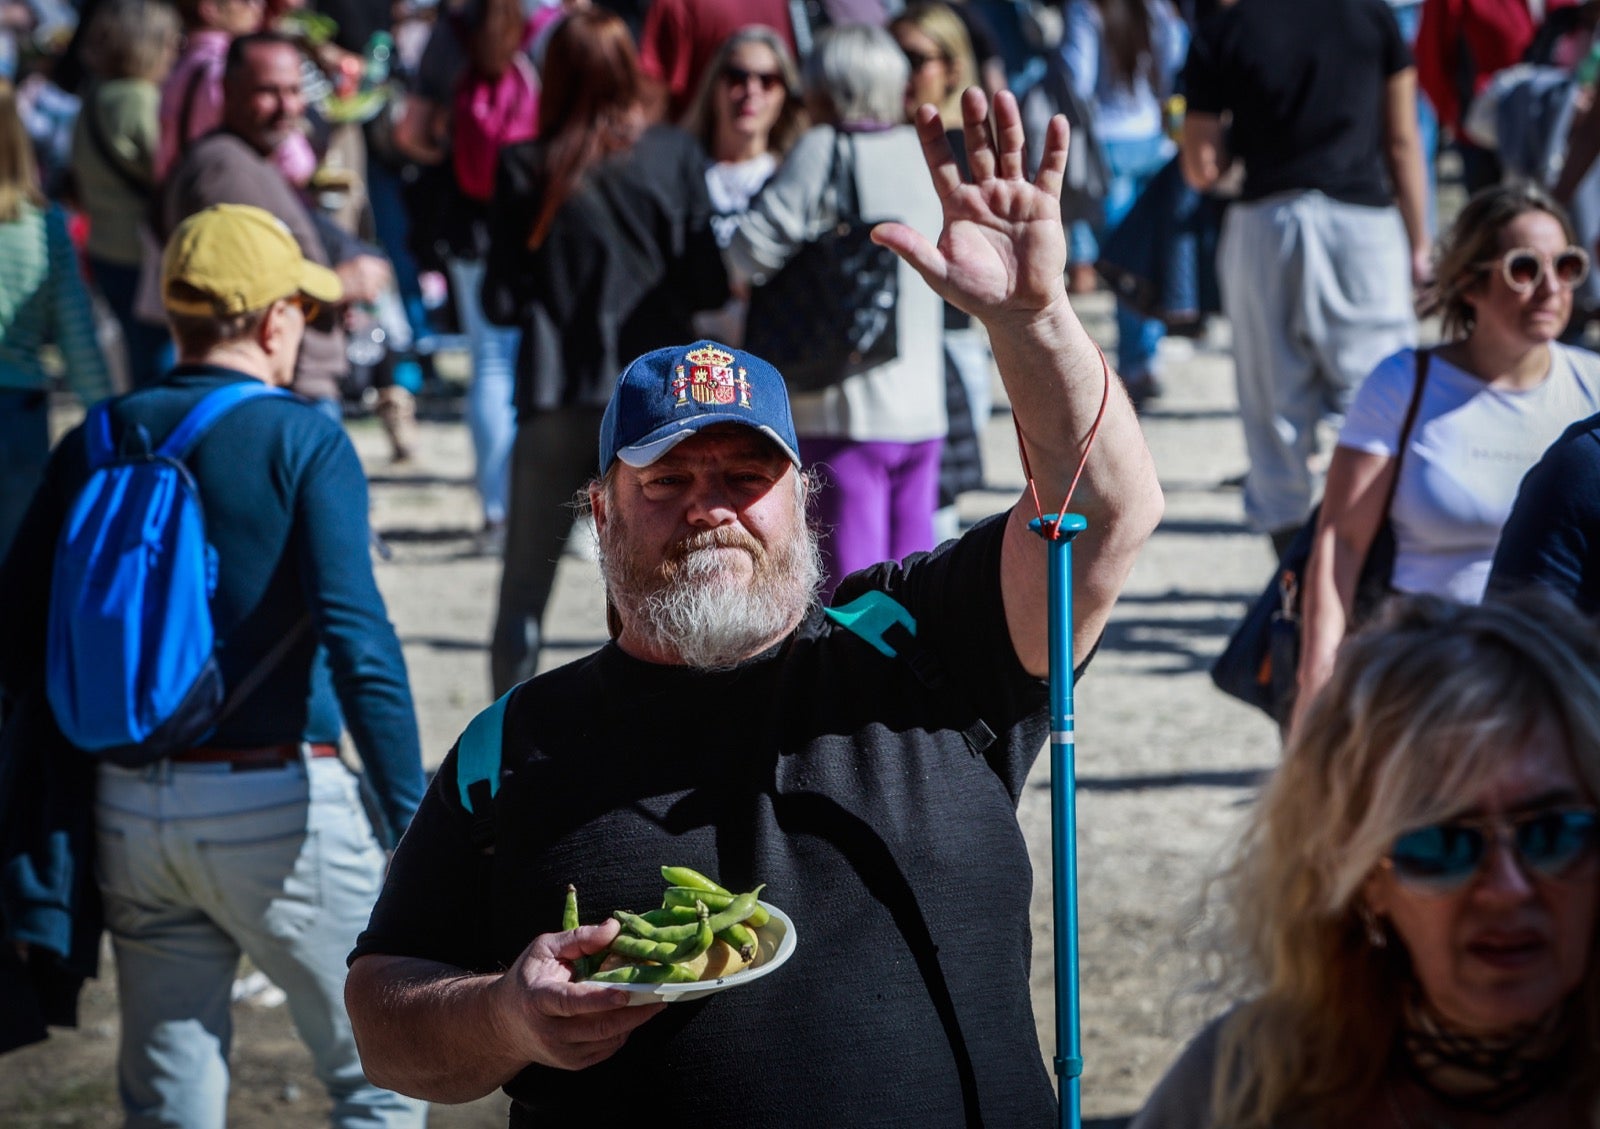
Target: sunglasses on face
[1523, 268]
[309, 306]
[918, 60]
[737, 78]
[1444, 857]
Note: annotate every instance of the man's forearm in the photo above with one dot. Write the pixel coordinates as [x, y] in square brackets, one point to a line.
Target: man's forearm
[1054, 375]
[427, 1030]
[1055, 378]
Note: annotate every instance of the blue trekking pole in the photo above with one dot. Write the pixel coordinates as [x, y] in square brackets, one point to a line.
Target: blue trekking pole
[1058, 532]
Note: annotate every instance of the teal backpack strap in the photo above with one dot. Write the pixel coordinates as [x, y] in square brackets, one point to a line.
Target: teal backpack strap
[478, 769]
[884, 622]
[871, 616]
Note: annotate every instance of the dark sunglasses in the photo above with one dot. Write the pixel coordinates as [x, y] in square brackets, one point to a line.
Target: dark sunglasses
[918, 60]
[1443, 858]
[309, 306]
[1523, 268]
[738, 77]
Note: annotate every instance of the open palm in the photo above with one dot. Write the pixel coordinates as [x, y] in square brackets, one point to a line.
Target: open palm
[1002, 252]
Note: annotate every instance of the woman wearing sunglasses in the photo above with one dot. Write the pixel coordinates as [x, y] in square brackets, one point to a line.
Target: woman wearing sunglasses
[747, 115]
[1491, 399]
[1413, 902]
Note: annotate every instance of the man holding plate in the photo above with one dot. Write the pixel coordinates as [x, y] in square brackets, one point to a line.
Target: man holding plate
[733, 726]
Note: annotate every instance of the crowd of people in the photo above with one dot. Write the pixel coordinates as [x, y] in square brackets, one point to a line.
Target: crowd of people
[206, 203]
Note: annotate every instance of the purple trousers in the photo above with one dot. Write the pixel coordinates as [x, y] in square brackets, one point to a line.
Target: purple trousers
[876, 501]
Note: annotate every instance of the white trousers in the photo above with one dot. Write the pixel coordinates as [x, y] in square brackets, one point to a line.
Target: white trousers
[1318, 292]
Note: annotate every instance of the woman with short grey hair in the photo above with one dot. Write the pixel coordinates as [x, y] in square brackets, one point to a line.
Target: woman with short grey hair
[875, 434]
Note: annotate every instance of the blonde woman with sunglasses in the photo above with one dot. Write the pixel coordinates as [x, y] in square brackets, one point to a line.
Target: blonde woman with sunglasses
[1411, 911]
[1495, 394]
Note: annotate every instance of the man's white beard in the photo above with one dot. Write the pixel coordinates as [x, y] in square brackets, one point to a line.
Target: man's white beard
[697, 607]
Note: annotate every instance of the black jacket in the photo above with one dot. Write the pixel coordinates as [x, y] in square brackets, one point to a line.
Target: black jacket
[629, 257]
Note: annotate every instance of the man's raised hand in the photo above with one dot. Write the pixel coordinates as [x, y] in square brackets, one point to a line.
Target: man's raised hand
[1002, 253]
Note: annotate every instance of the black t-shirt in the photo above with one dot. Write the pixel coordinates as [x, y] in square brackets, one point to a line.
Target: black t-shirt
[1305, 83]
[823, 769]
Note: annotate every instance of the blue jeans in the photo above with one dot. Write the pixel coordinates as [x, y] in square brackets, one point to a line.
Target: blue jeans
[490, 416]
[393, 225]
[148, 346]
[199, 865]
[1133, 165]
[1409, 17]
[24, 450]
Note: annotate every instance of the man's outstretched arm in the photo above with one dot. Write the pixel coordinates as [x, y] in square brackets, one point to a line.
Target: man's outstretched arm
[1001, 257]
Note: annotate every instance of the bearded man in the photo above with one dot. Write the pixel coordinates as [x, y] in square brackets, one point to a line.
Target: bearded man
[734, 726]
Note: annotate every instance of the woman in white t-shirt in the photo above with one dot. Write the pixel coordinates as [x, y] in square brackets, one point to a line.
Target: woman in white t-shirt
[747, 114]
[1496, 395]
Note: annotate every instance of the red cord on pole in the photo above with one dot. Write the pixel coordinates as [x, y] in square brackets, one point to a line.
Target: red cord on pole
[1088, 445]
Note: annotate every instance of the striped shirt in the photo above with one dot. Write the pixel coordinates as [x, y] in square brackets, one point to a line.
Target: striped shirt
[43, 300]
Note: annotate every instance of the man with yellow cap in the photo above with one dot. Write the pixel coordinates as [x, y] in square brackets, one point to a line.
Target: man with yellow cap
[255, 842]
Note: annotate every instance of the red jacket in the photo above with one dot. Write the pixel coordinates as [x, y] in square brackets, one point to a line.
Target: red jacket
[1492, 34]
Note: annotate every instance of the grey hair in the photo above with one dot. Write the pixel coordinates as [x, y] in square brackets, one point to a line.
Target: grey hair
[860, 74]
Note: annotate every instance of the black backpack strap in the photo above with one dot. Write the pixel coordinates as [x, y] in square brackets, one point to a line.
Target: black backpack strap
[884, 622]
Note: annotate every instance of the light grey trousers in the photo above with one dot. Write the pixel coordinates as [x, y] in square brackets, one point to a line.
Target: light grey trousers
[1318, 292]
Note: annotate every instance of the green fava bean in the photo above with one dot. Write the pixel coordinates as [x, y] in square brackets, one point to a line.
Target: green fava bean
[665, 952]
[683, 895]
[742, 939]
[670, 915]
[569, 912]
[678, 931]
[644, 974]
[737, 910]
[683, 876]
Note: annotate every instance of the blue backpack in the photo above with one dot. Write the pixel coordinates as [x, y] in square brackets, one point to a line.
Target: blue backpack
[131, 666]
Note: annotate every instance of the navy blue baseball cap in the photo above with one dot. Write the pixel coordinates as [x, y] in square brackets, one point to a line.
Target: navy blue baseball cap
[667, 395]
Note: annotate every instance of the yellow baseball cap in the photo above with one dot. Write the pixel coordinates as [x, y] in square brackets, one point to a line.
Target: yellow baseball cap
[242, 258]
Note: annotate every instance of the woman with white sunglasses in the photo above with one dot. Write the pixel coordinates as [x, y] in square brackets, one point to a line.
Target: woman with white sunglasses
[1489, 400]
[1411, 911]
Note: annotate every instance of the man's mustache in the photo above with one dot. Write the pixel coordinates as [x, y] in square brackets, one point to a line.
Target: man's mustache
[723, 537]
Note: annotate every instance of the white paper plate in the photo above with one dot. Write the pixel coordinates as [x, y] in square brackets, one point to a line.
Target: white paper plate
[779, 930]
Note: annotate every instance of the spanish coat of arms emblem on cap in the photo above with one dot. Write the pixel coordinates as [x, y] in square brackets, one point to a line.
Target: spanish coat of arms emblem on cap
[711, 378]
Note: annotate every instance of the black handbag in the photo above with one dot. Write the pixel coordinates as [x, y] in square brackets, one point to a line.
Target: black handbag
[1261, 663]
[830, 311]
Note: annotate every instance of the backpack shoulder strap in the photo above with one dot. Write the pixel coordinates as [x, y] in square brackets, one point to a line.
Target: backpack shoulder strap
[884, 622]
[208, 411]
[872, 616]
[478, 768]
[97, 436]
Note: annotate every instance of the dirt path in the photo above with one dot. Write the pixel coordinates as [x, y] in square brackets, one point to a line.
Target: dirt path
[1165, 762]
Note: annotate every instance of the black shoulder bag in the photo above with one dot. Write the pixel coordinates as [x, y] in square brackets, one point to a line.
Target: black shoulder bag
[1261, 663]
[830, 311]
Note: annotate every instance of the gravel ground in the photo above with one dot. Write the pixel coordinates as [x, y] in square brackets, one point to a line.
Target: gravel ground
[1166, 764]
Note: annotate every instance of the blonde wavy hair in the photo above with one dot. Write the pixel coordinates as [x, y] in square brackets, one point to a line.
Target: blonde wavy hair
[1421, 710]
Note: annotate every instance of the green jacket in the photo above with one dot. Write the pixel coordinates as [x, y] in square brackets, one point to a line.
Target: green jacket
[127, 112]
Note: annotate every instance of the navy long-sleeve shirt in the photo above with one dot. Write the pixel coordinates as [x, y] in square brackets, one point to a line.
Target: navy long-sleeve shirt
[285, 502]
